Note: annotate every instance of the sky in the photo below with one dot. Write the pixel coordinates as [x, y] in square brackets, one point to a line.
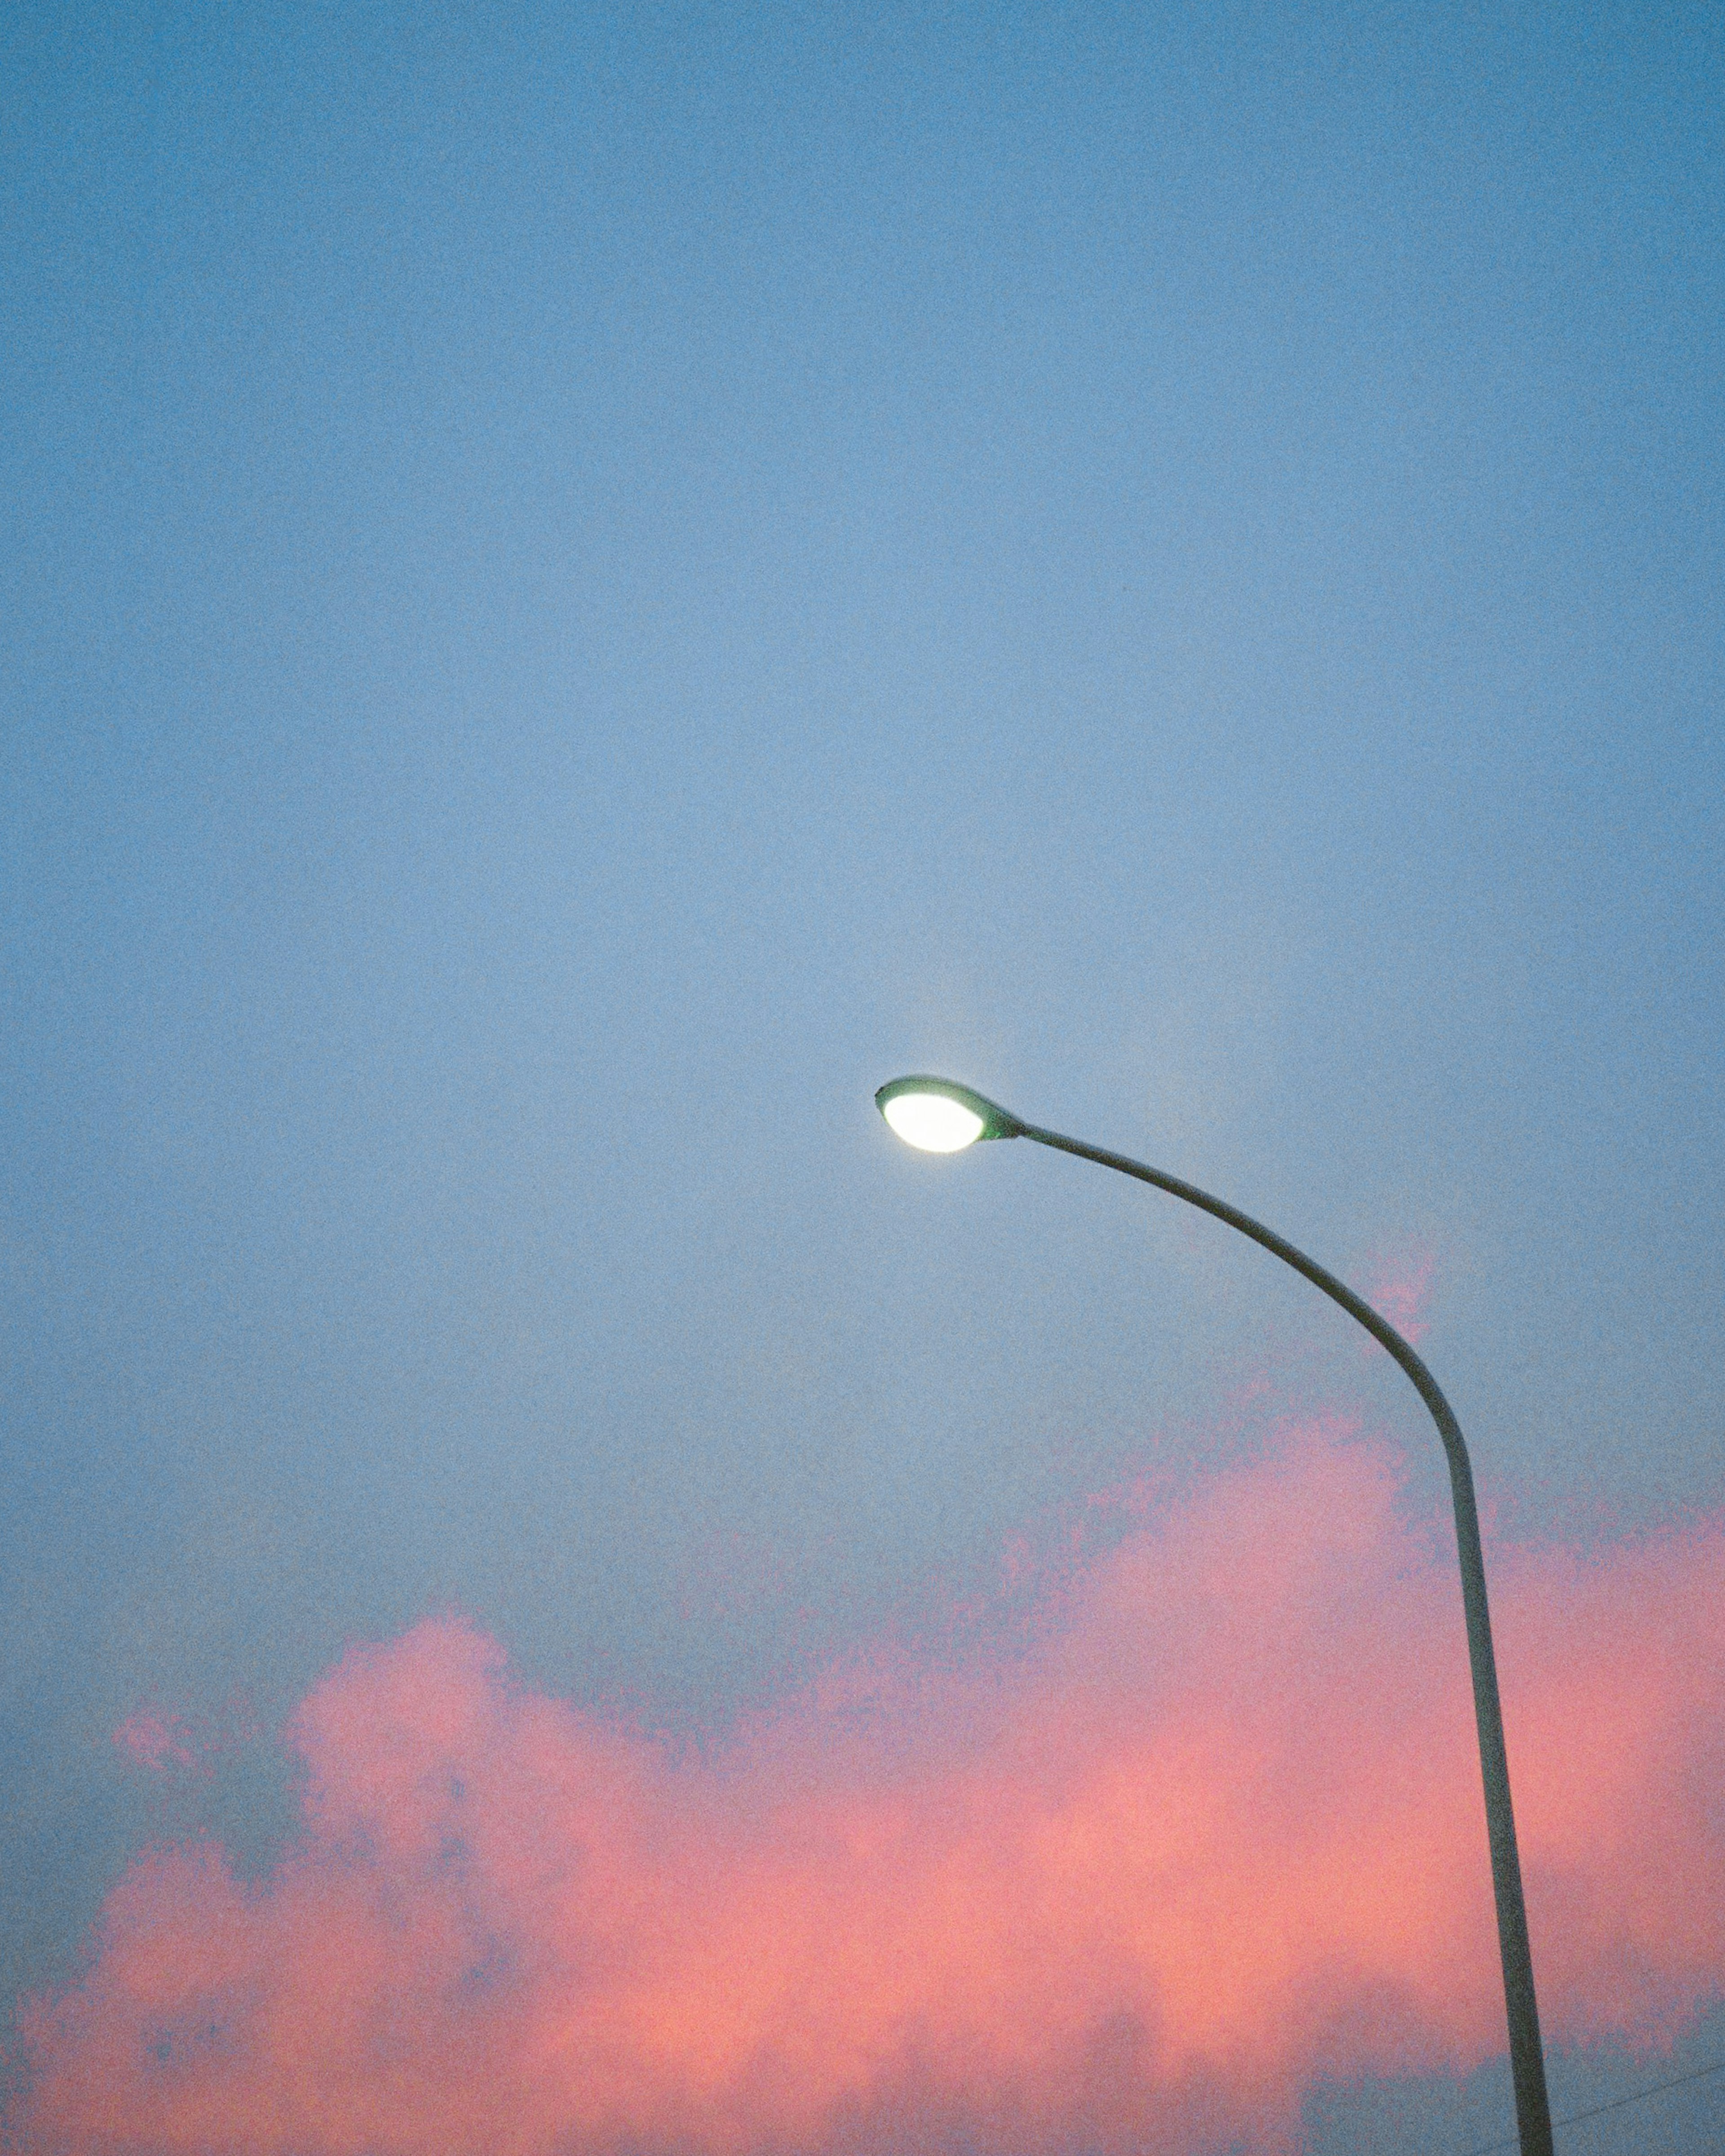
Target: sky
[583, 586]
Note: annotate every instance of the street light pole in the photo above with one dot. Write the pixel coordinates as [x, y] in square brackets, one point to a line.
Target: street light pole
[941, 1117]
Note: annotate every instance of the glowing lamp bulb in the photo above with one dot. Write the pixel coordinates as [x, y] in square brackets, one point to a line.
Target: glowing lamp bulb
[933, 1122]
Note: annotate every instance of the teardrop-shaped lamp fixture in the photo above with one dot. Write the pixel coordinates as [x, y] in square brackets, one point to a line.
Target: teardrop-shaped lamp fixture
[936, 1116]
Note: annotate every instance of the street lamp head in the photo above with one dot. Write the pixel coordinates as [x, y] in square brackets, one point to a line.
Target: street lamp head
[935, 1115]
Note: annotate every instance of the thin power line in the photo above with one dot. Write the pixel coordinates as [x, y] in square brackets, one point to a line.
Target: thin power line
[1617, 2103]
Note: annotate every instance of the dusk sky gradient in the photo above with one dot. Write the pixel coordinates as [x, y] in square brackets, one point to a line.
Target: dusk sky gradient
[584, 586]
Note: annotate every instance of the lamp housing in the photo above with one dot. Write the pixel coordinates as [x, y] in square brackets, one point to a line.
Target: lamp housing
[937, 1114]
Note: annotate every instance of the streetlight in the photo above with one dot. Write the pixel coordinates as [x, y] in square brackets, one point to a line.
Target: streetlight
[939, 1116]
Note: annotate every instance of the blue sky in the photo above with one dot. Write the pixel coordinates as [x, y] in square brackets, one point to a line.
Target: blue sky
[585, 585]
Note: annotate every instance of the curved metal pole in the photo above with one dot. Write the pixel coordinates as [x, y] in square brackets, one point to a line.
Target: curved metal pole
[1527, 2057]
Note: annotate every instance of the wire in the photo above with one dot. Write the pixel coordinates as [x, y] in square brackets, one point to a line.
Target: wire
[1617, 2103]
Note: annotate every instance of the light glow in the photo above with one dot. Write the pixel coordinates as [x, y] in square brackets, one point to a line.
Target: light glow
[933, 1122]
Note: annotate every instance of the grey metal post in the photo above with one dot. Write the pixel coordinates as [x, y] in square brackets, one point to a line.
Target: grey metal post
[1527, 2055]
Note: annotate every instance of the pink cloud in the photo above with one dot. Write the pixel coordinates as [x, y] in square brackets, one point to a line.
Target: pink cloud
[1400, 1290]
[157, 1741]
[1214, 1834]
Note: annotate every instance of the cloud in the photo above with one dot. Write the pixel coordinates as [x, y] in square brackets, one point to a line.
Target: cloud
[181, 1746]
[156, 1741]
[1400, 1289]
[1210, 1831]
